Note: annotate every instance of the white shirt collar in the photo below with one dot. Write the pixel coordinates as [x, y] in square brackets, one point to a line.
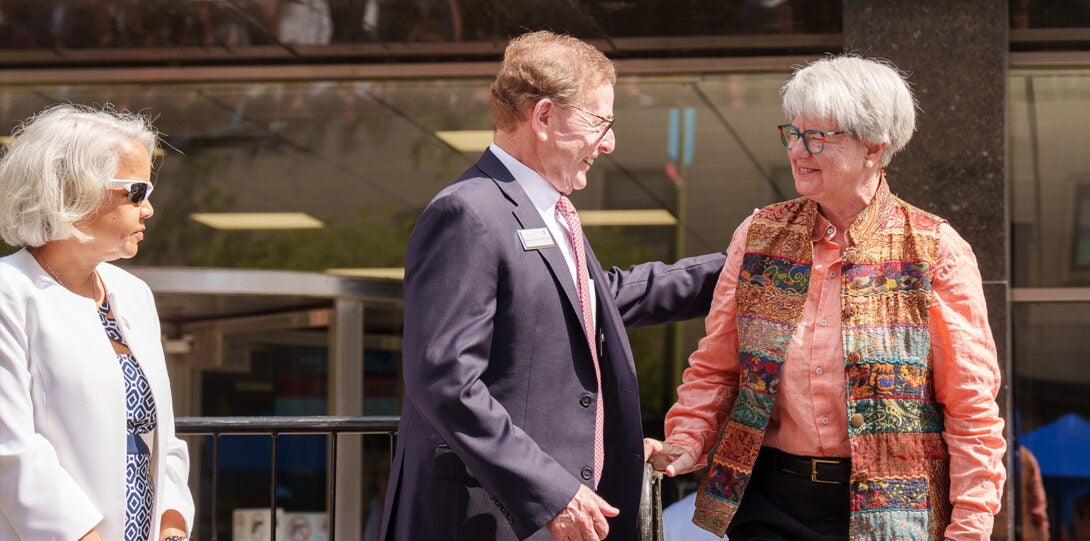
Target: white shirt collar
[542, 194]
[544, 197]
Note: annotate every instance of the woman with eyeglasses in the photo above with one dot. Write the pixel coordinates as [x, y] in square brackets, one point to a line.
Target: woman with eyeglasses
[87, 444]
[846, 386]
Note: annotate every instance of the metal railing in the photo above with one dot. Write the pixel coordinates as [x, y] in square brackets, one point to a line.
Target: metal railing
[650, 515]
[333, 427]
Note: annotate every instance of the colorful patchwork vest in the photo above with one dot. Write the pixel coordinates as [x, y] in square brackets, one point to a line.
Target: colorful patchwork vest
[900, 464]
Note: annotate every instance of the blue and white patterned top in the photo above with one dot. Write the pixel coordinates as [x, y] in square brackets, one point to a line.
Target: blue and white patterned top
[141, 423]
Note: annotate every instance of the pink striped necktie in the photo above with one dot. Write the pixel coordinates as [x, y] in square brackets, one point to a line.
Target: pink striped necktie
[575, 230]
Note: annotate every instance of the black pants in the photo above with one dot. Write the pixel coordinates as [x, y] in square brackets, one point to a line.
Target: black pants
[781, 506]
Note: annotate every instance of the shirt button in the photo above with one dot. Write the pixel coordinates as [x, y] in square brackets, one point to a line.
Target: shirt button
[832, 274]
[585, 401]
[857, 420]
[824, 322]
[824, 420]
[587, 474]
[820, 370]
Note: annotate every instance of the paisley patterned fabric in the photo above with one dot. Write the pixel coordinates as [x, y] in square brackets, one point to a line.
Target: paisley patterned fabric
[900, 477]
[141, 422]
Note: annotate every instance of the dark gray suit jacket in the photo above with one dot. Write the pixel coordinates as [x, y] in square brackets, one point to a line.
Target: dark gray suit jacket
[497, 427]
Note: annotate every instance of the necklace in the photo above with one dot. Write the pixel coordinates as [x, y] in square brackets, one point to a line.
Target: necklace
[37, 253]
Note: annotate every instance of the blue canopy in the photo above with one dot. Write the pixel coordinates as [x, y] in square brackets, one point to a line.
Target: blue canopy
[1062, 447]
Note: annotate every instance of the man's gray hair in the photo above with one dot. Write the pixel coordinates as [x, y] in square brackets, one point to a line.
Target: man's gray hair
[52, 174]
[867, 97]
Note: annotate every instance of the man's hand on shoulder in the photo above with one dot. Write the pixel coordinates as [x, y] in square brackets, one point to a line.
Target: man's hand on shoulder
[584, 519]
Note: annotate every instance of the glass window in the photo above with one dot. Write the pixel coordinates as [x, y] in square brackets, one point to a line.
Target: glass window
[299, 24]
[270, 370]
[1049, 177]
[1050, 214]
[362, 158]
[1052, 418]
[1049, 14]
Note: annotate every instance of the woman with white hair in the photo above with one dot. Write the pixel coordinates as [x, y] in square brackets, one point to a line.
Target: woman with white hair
[846, 386]
[87, 444]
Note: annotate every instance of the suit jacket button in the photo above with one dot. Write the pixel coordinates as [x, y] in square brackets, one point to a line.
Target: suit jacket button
[587, 474]
[585, 401]
[857, 420]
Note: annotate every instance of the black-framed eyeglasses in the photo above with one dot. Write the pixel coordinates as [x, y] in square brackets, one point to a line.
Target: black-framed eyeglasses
[813, 140]
[136, 191]
[606, 121]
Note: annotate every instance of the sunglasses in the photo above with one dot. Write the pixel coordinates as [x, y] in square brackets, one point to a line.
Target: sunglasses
[136, 191]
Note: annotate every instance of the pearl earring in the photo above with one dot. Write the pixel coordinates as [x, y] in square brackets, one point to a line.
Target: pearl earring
[869, 163]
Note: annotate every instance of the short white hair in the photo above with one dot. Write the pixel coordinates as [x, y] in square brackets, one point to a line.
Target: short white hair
[867, 97]
[52, 175]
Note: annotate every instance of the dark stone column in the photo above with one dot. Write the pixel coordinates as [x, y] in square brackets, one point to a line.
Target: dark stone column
[956, 53]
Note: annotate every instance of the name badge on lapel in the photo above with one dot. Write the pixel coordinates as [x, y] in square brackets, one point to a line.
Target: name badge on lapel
[536, 239]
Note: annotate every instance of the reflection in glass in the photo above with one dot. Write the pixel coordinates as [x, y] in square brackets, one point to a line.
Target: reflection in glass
[363, 158]
[285, 372]
[1052, 414]
[1049, 178]
[1049, 14]
[87, 24]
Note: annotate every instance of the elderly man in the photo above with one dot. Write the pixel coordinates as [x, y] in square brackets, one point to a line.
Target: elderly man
[521, 418]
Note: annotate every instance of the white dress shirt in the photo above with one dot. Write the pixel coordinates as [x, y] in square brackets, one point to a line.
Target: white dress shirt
[544, 197]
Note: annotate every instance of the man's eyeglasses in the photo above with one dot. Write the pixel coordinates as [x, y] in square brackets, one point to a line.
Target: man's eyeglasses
[606, 121]
[136, 191]
[813, 140]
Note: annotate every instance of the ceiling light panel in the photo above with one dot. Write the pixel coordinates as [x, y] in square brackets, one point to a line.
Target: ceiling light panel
[257, 220]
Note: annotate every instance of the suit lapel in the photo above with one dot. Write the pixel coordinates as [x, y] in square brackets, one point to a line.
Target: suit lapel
[612, 327]
[527, 216]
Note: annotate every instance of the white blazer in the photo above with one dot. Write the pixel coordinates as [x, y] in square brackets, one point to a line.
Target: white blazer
[62, 407]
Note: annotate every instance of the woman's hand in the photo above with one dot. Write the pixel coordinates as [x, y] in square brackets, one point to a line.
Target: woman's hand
[172, 525]
[667, 458]
[91, 536]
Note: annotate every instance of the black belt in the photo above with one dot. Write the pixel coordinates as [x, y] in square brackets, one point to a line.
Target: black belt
[835, 471]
